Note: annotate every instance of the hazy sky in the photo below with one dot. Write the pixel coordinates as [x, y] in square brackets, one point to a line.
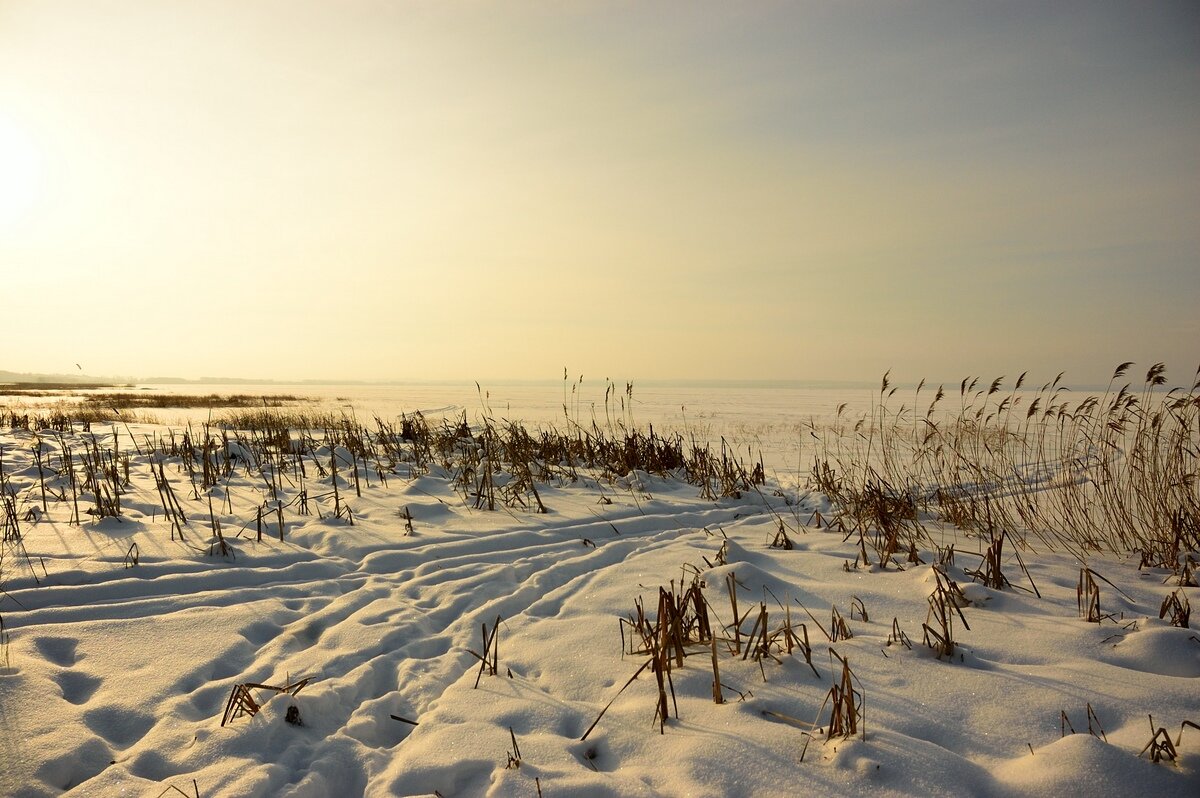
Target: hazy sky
[635, 190]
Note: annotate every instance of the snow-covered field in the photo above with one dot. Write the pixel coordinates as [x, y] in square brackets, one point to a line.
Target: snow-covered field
[116, 675]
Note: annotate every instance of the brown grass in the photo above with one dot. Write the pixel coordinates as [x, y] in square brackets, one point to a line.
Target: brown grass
[1115, 471]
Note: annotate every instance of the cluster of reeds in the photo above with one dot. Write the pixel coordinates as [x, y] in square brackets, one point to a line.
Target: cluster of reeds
[882, 516]
[946, 601]
[764, 642]
[991, 567]
[847, 716]
[493, 462]
[681, 621]
[136, 400]
[1087, 595]
[1113, 471]
[685, 624]
[12, 538]
[242, 701]
[88, 406]
[105, 474]
[4, 659]
[502, 461]
[722, 474]
[10, 533]
[514, 754]
[489, 660]
[62, 418]
[1177, 607]
[97, 469]
[848, 708]
[1160, 746]
[11, 529]
[1094, 727]
[39, 389]
[170, 503]
[897, 636]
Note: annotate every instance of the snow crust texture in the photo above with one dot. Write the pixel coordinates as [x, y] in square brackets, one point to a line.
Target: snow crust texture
[116, 675]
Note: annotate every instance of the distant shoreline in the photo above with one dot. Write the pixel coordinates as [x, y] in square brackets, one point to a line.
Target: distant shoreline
[45, 381]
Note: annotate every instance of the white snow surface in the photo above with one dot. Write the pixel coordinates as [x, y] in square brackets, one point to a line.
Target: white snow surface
[116, 677]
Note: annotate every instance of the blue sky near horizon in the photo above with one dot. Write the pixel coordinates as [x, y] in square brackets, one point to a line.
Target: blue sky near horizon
[816, 191]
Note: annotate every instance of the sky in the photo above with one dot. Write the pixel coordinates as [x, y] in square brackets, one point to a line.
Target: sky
[418, 190]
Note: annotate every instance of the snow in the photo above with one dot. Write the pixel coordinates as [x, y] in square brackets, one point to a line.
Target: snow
[117, 675]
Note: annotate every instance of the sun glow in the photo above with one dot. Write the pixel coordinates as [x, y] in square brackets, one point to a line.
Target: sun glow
[20, 173]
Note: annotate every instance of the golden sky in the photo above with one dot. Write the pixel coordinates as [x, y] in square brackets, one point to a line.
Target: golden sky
[637, 190]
